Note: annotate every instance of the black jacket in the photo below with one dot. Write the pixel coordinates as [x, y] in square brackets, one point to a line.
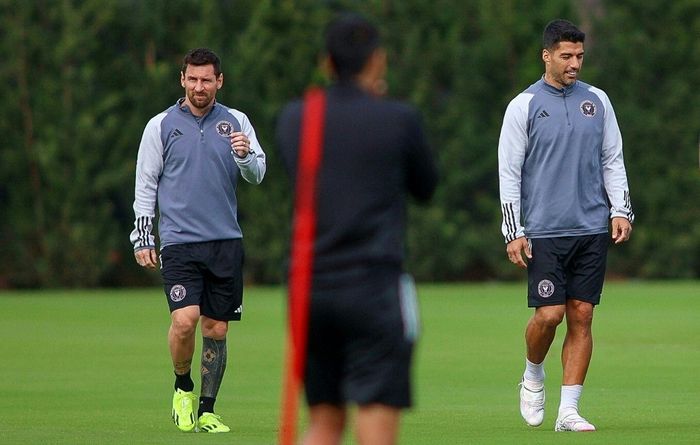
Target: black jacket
[374, 156]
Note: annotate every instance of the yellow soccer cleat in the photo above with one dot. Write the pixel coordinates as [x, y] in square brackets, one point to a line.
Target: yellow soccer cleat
[211, 423]
[184, 403]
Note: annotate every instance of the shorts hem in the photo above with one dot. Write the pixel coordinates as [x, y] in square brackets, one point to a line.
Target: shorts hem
[174, 308]
[594, 300]
[536, 304]
[236, 317]
[396, 405]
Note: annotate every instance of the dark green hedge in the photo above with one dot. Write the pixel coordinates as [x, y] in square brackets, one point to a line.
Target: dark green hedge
[81, 79]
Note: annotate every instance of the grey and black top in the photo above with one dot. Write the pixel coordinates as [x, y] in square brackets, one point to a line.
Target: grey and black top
[374, 155]
[560, 160]
[186, 164]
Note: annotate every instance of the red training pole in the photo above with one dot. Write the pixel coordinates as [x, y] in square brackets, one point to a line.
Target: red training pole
[302, 254]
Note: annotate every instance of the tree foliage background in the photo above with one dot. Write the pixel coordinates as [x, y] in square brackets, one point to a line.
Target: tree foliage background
[81, 79]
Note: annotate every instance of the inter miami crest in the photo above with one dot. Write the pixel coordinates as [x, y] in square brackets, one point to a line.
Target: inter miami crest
[178, 293]
[545, 288]
[588, 108]
[224, 128]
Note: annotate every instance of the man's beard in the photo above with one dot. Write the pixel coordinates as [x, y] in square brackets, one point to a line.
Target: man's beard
[200, 101]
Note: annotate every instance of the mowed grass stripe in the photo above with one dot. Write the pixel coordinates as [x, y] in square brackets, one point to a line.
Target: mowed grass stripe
[92, 367]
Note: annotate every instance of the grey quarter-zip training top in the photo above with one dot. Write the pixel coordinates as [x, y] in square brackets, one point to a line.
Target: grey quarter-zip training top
[186, 165]
[561, 168]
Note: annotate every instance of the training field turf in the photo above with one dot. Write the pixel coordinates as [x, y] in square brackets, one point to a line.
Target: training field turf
[92, 367]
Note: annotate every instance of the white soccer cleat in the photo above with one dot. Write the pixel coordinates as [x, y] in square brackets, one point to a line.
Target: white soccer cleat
[532, 402]
[572, 421]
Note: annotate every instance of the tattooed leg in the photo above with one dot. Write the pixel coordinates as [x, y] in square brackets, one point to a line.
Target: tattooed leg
[213, 367]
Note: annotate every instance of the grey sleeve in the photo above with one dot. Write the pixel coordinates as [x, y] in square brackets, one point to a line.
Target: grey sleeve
[253, 166]
[512, 144]
[149, 166]
[614, 173]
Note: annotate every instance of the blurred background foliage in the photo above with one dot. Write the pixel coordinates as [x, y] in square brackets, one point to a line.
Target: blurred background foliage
[82, 78]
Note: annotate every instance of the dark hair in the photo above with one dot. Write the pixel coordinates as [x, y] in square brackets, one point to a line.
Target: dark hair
[350, 40]
[561, 31]
[202, 56]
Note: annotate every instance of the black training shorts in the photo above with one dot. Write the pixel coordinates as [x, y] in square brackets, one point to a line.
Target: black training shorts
[566, 267]
[361, 341]
[208, 275]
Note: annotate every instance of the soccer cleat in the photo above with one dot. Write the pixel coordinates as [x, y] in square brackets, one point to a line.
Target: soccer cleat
[183, 409]
[532, 402]
[211, 423]
[573, 422]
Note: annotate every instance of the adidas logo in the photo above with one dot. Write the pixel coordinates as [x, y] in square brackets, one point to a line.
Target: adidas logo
[543, 114]
[239, 310]
[177, 132]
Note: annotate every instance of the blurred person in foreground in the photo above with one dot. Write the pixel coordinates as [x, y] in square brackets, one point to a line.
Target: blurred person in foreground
[363, 311]
[189, 162]
[562, 175]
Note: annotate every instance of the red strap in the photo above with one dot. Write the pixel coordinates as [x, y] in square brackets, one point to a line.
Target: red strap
[302, 257]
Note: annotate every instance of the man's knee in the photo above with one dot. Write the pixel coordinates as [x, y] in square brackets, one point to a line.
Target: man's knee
[579, 312]
[377, 424]
[183, 324]
[326, 424]
[550, 316]
[215, 329]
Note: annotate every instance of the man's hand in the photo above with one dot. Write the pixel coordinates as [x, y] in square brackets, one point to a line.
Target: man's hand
[621, 229]
[515, 249]
[146, 258]
[240, 144]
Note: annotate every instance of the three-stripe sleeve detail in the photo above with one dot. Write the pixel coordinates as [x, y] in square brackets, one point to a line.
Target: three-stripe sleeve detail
[509, 222]
[141, 236]
[628, 206]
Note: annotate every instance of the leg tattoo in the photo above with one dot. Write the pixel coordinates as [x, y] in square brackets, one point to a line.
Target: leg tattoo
[183, 366]
[213, 366]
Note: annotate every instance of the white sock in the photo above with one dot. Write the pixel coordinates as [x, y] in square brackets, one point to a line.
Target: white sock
[569, 398]
[534, 373]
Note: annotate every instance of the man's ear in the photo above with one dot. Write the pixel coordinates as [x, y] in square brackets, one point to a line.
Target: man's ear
[380, 59]
[546, 56]
[376, 63]
[220, 81]
[376, 72]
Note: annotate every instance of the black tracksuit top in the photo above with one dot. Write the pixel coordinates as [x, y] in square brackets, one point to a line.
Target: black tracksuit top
[375, 154]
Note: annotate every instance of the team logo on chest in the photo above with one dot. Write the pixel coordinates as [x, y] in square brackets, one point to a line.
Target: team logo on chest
[588, 108]
[224, 128]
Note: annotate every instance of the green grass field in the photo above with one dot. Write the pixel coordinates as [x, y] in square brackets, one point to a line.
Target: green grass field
[92, 367]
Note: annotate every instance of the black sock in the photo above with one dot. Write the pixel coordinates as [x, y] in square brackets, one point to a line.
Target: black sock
[206, 405]
[184, 382]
